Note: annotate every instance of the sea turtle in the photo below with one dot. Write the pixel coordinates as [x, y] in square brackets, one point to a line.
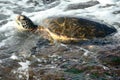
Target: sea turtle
[66, 29]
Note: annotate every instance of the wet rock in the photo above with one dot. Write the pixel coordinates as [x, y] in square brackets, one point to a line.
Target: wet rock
[116, 12]
[5, 2]
[111, 59]
[107, 5]
[3, 22]
[6, 68]
[53, 76]
[45, 2]
[4, 56]
[48, 1]
[81, 5]
[74, 71]
[117, 24]
[3, 17]
[93, 72]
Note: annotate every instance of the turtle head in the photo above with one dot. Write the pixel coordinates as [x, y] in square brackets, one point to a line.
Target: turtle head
[25, 23]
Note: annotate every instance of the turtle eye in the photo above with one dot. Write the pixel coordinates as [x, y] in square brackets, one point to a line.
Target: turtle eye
[18, 23]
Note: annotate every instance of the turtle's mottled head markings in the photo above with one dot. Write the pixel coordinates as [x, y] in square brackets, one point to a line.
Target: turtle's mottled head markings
[25, 23]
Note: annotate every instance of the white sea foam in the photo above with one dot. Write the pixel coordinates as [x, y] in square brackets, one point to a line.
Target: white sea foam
[104, 2]
[14, 57]
[39, 12]
[0, 61]
[24, 65]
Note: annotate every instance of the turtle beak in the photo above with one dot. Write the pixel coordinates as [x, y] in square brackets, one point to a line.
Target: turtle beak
[17, 20]
[18, 17]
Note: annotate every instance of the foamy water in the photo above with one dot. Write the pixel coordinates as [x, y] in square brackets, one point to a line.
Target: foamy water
[12, 8]
[13, 41]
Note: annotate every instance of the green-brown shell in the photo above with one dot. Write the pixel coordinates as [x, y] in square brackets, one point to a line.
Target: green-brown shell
[77, 27]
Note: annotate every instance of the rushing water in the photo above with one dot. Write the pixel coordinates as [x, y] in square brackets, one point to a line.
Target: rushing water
[27, 56]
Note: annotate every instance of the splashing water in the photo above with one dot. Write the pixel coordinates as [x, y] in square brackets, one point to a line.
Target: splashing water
[29, 57]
